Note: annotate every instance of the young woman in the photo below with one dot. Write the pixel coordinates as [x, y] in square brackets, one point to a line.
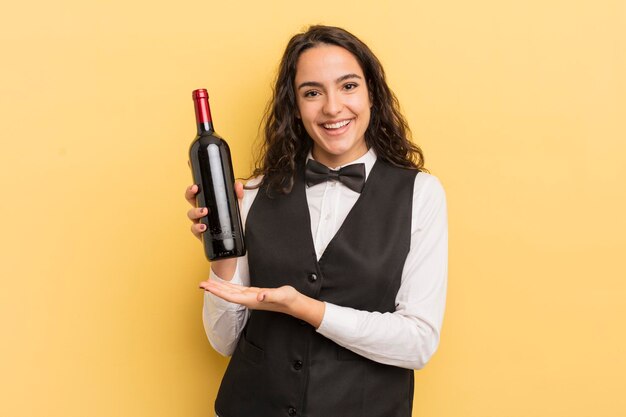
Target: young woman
[343, 289]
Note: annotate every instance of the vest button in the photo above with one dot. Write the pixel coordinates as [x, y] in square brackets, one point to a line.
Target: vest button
[303, 323]
[297, 365]
[312, 277]
[292, 411]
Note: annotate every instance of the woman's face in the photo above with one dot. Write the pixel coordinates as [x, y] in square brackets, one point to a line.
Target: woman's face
[333, 103]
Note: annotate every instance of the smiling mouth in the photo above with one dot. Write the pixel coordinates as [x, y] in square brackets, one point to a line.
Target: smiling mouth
[337, 125]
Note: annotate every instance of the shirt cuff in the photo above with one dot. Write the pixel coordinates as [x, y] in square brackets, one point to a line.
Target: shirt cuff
[338, 323]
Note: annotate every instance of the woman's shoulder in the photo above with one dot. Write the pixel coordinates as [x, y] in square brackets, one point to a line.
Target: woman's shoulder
[426, 179]
[428, 189]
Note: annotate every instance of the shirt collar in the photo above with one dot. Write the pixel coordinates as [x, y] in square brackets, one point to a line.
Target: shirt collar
[369, 159]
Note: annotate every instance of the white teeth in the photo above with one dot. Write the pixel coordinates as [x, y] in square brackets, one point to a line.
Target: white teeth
[336, 125]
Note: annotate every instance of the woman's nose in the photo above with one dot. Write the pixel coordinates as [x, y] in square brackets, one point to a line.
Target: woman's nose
[333, 104]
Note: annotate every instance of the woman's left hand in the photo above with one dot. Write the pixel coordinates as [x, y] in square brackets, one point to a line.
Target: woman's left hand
[285, 299]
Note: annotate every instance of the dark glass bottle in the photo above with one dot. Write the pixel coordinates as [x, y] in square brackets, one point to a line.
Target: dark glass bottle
[212, 171]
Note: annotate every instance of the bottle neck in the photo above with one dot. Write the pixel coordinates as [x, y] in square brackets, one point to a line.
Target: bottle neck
[205, 128]
[203, 113]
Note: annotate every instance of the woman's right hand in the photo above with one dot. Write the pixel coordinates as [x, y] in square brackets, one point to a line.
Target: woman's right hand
[225, 268]
[196, 213]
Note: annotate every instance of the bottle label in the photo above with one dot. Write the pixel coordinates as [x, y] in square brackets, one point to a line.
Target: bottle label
[223, 234]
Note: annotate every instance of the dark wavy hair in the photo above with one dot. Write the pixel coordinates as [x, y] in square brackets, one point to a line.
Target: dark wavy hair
[286, 142]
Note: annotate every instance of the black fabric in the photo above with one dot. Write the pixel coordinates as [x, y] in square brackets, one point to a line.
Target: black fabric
[282, 366]
[352, 176]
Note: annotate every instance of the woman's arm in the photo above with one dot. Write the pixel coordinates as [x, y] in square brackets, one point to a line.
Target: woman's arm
[409, 336]
[223, 321]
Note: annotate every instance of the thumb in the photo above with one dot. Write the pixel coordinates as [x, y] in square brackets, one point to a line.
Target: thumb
[239, 189]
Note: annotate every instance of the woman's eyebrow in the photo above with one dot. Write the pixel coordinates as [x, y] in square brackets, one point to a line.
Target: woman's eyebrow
[337, 81]
[347, 77]
[310, 84]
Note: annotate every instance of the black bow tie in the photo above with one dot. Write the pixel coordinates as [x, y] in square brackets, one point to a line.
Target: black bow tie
[352, 176]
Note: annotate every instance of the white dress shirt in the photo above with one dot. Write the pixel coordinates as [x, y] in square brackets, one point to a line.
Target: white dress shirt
[407, 337]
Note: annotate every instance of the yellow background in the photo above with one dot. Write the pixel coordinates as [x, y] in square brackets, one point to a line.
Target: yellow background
[519, 106]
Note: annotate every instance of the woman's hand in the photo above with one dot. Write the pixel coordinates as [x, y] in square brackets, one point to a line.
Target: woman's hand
[285, 299]
[196, 213]
[225, 268]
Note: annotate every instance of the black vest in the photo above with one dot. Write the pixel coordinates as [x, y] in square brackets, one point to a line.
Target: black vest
[282, 366]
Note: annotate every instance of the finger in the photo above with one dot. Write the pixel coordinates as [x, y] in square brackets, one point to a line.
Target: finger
[219, 287]
[270, 295]
[275, 295]
[237, 287]
[209, 287]
[197, 213]
[227, 287]
[225, 294]
[190, 194]
[215, 286]
[239, 190]
[235, 290]
[197, 229]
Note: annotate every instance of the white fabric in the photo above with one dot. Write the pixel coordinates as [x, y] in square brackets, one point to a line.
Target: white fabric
[407, 337]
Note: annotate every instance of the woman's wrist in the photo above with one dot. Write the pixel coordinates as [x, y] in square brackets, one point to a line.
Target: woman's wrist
[224, 268]
[308, 309]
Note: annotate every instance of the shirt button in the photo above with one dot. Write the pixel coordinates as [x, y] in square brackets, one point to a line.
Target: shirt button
[327, 216]
[312, 277]
[292, 411]
[297, 365]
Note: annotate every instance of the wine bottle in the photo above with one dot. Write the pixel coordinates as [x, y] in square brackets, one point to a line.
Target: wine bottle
[212, 171]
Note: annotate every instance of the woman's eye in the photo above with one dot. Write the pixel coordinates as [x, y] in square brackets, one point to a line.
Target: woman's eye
[350, 86]
[311, 94]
